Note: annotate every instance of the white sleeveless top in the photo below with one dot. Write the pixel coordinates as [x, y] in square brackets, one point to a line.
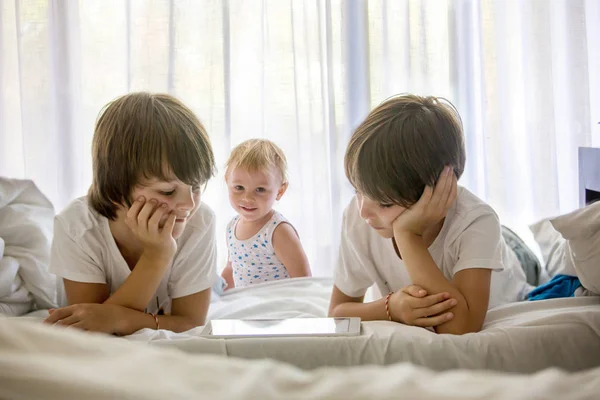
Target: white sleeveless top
[253, 260]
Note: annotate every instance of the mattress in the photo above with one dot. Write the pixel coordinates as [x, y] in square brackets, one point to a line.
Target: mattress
[39, 361]
[522, 337]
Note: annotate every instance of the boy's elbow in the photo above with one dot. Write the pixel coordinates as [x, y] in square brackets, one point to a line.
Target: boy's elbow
[466, 320]
[331, 313]
[335, 312]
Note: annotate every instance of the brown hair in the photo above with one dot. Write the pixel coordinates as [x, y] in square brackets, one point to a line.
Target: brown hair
[402, 146]
[258, 155]
[144, 135]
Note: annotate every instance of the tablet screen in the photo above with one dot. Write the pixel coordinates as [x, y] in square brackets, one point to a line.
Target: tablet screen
[276, 327]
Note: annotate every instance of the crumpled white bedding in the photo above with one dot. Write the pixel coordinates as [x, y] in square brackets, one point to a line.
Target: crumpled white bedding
[26, 220]
[38, 361]
[522, 337]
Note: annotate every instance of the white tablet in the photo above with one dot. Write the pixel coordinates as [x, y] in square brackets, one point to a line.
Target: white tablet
[251, 328]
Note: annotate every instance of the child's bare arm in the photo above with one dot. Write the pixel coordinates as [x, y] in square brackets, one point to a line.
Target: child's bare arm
[135, 293]
[471, 288]
[288, 249]
[227, 274]
[141, 284]
[410, 306]
[186, 313]
[143, 218]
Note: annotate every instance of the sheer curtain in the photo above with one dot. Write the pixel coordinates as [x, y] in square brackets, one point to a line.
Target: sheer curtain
[524, 75]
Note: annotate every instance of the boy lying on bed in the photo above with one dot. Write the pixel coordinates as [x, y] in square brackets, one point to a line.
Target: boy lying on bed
[433, 247]
[141, 240]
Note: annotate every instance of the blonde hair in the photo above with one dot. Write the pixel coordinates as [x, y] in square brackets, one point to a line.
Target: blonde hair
[402, 146]
[144, 135]
[257, 155]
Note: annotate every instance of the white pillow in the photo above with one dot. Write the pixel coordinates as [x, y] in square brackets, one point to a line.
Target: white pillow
[26, 220]
[581, 230]
[552, 247]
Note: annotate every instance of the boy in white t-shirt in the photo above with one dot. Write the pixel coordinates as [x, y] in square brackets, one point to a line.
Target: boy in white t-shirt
[431, 246]
[139, 251]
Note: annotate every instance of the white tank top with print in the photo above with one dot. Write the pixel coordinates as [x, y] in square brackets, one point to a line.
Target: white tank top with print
[253, 260]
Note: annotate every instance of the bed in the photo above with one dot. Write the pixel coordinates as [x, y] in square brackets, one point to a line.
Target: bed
[544, 349]
[523, 337]
[38, 361]
[519, 338]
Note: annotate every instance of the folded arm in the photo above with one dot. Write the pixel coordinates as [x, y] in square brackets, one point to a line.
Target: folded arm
[470, 287]
[186, 313]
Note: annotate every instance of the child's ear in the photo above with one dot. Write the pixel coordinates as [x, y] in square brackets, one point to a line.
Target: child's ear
[282, 190]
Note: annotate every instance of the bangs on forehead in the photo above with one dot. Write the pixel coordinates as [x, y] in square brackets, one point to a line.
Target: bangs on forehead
[172, 150]
[372, 174]
[376, 166]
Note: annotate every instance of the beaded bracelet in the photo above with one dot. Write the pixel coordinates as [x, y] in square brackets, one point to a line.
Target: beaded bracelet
[156, 320]
[387, 305]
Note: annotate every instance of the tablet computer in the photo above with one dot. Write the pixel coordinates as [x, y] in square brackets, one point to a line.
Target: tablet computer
[252, 328]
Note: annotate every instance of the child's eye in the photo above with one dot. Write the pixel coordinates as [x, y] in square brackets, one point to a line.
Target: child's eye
[260, 190]
[238, 187]
[172, 192]
[385, 205]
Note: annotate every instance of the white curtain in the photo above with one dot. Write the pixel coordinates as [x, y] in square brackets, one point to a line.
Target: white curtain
[525, 76]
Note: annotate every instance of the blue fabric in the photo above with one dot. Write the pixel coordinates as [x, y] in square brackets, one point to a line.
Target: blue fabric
[559, 286]
[219, 286]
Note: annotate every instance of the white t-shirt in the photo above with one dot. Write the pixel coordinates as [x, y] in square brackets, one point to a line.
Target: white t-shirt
[470, 238]
[84, 250]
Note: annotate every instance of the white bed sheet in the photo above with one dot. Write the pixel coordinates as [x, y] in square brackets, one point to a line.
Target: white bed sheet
[523, 337]
[520, 338]
[38, 361]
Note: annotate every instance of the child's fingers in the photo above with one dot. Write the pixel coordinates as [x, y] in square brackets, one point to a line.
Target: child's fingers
[134, 210]
[442, 187]
[169, 224]
[415, 291]
[426, 196]
[144, 214]
[70, 320]
[436, 309]
[156, 218]
[433, 321]
[430, 300]
[453, 191]
[58, 314]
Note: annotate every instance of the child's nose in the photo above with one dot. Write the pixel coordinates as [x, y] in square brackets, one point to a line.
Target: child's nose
[186, 201]
[247, 196]
[365, 211]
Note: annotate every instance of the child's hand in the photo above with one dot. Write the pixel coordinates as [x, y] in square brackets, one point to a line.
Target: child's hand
[227, 275]
[431, 207]
[106, 318]
[144, 219]
[412, 306]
